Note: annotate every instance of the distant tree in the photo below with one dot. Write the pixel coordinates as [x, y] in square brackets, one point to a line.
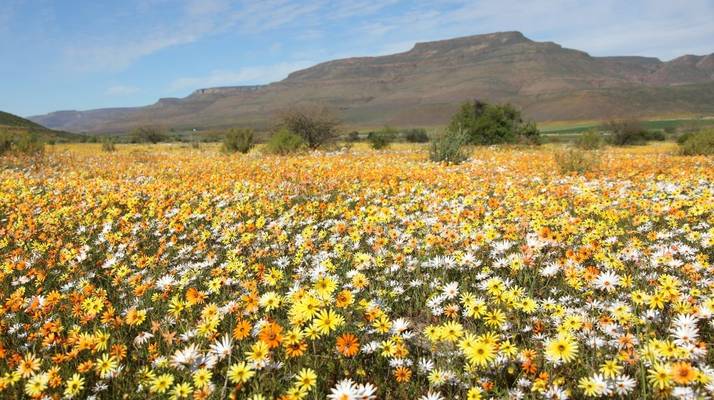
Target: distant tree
[5, 142]
[316, 125]
[486, 124]
[150, 133]
[629, 132]
[416, 135]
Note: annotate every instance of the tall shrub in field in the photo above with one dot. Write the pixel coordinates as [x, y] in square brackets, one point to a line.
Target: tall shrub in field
[316, 125]
[487, 124]
[382, 138]
[238, 140]
[590, 140]
[450, 147]
[149, 134]
[698, 144]
[284, 142]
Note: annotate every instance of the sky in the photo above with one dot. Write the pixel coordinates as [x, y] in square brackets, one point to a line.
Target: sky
[72, 54]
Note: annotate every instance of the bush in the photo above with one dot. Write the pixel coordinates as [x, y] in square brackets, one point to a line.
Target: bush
[5, 142]
[30, 144]
[353, 136]
[382, 139]
[150, 134]
[417, 135]
[284, 142]
[450, 147]
[576, 161]
[238, 140]
[698, 144]
[487, 124]
[108, 145]
[316, 125]
[630, 132]
[590, 140]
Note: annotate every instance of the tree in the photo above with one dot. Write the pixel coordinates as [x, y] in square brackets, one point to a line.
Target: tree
[316, 125]
[151, 134]
[486, 124]
[382, 138]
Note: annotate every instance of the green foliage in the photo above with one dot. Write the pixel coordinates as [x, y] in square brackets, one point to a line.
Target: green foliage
[450, 147]
[353, 136]
[238, 140]
[630, 132]
[487, 124]
[382, 138]
[108, 145]
[416, 135]
[284, 142]
[148, 134]
[698, 144]
[29, 144]
[590, 140]
[316, 125]
[573, 160]
[5, 142]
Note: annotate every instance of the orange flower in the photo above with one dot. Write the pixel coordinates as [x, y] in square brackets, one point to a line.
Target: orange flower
[296, 349]
[402, 374]
[242, 330]
[271, 335]
[347, 344]
[193, 296]
[683, 373]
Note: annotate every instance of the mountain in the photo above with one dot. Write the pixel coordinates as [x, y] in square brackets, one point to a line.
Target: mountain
[17, 125]
[425, 85]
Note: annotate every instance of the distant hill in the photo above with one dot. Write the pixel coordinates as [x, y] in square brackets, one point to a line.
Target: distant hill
[18, 125]
[425, 85]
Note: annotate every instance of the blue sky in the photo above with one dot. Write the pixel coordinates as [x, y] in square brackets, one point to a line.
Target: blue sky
[71, 54]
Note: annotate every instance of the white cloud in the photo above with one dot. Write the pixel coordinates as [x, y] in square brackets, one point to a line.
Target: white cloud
[244, 76]
[121, 90]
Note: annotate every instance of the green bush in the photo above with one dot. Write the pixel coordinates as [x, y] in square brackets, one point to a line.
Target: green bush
[284, 142]
[683, 137]
[383, 138]
[5, 142]
[699, 144]
[450, 147]
[150, 134]
[487, 124]
[416, 135]
[630, 132]
[238, 140]
[590, 140]
[574, 160]
[108, 145]
[316, 125]
[30, 144]
[353, 136]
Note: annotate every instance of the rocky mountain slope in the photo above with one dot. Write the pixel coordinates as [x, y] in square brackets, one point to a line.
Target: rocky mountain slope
[424, 85]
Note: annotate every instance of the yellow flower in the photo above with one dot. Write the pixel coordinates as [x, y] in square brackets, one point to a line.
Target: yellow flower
[659, 376]
[327, 321]
[202, 377]
[73, 386]
[306, 379]
[562, 348]
[240, 373]
[161, 383]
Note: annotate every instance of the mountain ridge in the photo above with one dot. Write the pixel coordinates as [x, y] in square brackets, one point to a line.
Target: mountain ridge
[424, 85]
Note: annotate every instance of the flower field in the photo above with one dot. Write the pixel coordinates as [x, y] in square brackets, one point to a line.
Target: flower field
[168, 272]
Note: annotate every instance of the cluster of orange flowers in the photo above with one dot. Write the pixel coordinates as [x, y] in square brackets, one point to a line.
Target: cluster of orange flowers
[191, 274]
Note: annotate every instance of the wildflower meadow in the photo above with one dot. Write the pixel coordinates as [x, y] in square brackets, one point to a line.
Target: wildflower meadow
[168, 272]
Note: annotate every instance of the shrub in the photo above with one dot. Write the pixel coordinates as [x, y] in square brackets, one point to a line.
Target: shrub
[284, 142]
[574, 160]
[353, 136]
[630, 132]
[449, 147]
[487, 124]
[316, 125]
[238, 140]
[700, 143]
[150, 134]
[590, 140]
[5, 142]
[30, 144]
[417, 135]
[382, 139]
[108, 145]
